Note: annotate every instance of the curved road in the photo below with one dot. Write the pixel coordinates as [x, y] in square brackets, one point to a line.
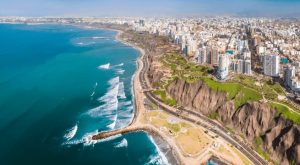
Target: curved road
[196, 118]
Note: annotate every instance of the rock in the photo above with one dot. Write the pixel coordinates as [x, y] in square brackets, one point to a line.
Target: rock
[281, 138]
[196, 96]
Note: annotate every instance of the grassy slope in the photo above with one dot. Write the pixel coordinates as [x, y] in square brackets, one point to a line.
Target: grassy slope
[286, 112]
[241, 89]
[193, 73]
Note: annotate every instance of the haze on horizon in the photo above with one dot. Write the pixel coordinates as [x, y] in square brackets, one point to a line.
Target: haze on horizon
[283, 8]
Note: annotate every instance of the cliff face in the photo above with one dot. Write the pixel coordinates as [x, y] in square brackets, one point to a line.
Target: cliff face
[196, 96]
[281, 138]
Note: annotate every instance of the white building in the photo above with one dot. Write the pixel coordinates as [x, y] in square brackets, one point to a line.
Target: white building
[261, 49]
[271, 65]
[223, 69]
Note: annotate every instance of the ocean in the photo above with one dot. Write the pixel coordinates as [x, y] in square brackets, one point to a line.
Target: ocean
[59, 84]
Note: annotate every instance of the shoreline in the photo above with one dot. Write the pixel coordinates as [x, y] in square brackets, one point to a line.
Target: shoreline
[157, 136]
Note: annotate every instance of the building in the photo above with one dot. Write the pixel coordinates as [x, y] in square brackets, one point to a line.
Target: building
[214, 56]
[260, 49]
[246, 55]
[223, 69]
[208, 55]
[271, 65]
[240, 66]
[247, 67]
[291, 79]
[202, 58]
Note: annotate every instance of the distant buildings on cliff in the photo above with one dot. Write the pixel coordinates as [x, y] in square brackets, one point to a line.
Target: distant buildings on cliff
[234, 45]
[231, 45]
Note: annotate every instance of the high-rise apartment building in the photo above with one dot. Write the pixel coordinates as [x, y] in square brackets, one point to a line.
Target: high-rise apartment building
[271, 65]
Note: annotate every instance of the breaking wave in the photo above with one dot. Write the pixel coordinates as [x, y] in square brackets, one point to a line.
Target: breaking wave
[85, 43]
[99, 37]
[159, 158]
[71, 132]
[113, 124]
[109, 100]
[105, 66]
[120, 71]
[123, 143]
[121, 92]
[86, 140]
[119, 65]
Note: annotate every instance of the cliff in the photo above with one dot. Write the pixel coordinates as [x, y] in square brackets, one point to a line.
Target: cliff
[280, 138]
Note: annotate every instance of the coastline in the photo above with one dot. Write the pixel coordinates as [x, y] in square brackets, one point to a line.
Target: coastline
[158, 137]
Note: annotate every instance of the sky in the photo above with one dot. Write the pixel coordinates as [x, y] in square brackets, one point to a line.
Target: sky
[149, 7]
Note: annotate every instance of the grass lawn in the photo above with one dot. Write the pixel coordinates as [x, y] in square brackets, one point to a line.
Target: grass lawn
[269, 92]
[231, 88]
[248, 81]
[246, 95]
[239, 93]
[286, 112]
[277, 87]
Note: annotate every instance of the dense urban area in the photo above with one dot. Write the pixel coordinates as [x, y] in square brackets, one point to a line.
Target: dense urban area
[249, 59]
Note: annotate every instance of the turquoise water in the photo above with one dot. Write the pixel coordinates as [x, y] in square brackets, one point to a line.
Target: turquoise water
[60, 84]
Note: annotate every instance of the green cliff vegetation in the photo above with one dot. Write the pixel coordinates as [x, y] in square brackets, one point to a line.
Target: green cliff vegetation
[192, 72]
[286, 112]
[240, 88]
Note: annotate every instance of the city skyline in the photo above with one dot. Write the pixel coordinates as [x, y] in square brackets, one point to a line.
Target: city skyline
[179, 8]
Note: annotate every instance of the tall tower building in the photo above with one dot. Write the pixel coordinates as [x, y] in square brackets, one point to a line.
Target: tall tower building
[247, 67]
[202, 56]
[271, 65]
[208, 55]
[223, 69]
[289, 74]
[214, 56]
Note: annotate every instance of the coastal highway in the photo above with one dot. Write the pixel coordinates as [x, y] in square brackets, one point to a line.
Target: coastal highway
[196, 118]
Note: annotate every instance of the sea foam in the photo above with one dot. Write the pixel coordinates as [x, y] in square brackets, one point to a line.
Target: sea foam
[105, 66]
[71, 132]
[120, 71]
[159, 158]
[123, 143]
[109, 100]
[99, 37]
[121, 92]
